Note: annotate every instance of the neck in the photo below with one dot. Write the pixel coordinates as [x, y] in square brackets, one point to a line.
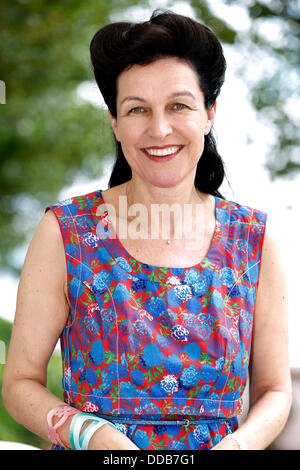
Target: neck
[167, 213]
[180, 194]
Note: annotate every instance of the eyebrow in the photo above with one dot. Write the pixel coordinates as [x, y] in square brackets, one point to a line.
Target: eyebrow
[172, 95]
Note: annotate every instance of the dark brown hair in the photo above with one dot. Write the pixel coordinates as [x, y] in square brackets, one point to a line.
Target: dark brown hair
[118, 46]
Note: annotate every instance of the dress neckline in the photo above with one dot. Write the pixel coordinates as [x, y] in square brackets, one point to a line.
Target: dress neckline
[125, 260]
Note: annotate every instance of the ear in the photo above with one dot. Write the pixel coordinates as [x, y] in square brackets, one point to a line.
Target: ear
[211, 114]
[114, 125]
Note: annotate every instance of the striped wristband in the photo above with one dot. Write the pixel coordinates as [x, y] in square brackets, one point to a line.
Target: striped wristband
[81, 442]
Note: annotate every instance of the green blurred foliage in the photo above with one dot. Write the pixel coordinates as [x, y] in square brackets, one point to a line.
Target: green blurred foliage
[10, 430]
[49, 136]
[272, 49]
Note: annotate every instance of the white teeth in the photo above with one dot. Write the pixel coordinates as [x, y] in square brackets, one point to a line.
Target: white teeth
[163, 152]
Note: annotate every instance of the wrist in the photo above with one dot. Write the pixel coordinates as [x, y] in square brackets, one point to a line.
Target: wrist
[238, 441]
[104, 438]
[109, 438]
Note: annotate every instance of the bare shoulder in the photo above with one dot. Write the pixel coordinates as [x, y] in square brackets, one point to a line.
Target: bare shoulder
[48, 228]
[45, 256]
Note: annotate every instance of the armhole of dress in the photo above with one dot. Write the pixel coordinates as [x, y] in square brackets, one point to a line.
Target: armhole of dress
[261, 247]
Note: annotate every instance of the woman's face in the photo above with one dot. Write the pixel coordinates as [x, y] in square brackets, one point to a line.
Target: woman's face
[161, 121]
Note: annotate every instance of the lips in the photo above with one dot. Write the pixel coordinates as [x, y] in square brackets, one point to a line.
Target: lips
[166, 152]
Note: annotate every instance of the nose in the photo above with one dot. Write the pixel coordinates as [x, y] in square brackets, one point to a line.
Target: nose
[159, 125]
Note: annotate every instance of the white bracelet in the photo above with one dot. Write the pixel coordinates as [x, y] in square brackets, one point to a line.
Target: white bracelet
[81, 442]
[90, 431]
[241, 442]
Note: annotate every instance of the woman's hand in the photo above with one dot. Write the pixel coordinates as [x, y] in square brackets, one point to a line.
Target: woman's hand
[227, 444]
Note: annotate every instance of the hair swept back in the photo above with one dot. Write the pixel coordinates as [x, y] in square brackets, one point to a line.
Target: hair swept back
[118, 46]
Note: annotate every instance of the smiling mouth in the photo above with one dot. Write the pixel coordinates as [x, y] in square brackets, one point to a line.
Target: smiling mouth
[162, 152]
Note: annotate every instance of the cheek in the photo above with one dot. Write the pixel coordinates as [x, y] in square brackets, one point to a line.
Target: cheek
[129, 135]
[194, 131]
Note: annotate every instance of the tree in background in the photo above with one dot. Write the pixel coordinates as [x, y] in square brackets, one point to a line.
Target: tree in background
[48, 135]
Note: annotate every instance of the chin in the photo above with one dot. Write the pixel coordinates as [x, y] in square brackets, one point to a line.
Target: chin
[165, 182]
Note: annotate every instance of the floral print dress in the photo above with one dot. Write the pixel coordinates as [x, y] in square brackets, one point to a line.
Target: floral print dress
[162, 343]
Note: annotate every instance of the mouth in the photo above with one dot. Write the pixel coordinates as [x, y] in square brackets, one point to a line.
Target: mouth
[162, 152]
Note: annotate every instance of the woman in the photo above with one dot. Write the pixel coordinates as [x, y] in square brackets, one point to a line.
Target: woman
[157, 332]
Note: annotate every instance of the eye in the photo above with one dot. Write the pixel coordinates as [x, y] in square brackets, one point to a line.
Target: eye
[136, 110]
[179, 106]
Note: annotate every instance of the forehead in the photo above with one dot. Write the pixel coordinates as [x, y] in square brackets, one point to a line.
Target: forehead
[162, 75]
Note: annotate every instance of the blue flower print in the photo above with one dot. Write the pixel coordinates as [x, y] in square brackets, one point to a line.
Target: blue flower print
[160, 429]
[91, 325]
[222, 216]
[69, 208]
[155, 306]
[183, 293]
[253, 272]
[200, 287]
[103, 255]
[201, 434]
[169, 384]
[101, 281]
[142, 331]
[241, 248]
[166, 318]
[176, 445]
[234, 291]
[103, 232]
[97, 353]
[127, 390]
[180, 333]
[192, 276]
[193, 351]
[204, 391]
[74, 366]
[117, 370]
[121, 293]
[242, 211]
[147, 341]
[172, 298]
[251, 296]
[106, 381]
[90, 376]
[193, 305]
[228, 399]
[217, 299]
[173, 364]
[118, 273]
[138, 285]
[228, 276]
[124, 263]
[141, 439]
[190, 377]
[208, 373]
[221, 382]
[235, 367]
[89, 239]
[220, 363]
[137, 377]
[152, 356]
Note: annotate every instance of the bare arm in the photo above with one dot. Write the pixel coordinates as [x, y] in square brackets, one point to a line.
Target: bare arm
[41, 314]
[270, 382]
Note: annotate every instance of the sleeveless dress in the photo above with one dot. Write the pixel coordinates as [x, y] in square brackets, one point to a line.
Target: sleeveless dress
[159, 343]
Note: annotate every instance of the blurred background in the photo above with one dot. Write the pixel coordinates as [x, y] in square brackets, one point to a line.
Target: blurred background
[55, 139]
